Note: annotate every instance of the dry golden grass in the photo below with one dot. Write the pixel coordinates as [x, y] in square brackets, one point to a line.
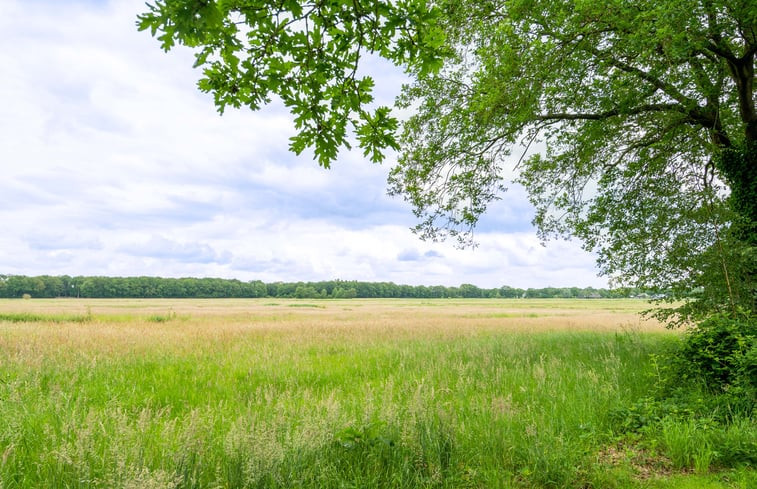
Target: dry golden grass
[119, 325]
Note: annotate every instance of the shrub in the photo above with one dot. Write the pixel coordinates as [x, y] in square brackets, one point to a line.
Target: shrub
[720, 352]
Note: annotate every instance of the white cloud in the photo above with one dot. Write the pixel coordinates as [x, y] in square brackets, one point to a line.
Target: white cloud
[114, 164]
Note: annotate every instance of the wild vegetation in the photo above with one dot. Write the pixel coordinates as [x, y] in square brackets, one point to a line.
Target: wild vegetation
[361, 393]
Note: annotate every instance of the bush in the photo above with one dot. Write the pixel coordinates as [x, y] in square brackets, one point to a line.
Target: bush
[719, 359]
[720, 352]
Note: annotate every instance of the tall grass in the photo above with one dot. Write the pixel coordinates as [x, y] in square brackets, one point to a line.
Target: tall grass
[260, 397]
[26, 317]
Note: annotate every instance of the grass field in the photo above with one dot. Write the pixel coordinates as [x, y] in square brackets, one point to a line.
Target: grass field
[342, 394]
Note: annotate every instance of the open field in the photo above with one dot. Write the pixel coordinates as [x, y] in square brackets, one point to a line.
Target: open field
[338, 393]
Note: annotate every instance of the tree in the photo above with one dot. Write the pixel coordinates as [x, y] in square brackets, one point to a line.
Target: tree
[646, 117]
[643, 112]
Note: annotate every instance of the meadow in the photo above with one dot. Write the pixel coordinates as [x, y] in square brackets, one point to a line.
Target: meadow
[346, 394]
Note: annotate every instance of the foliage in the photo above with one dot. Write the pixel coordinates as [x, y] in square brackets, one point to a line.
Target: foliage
[643, 116]
[13, 286]
[721, 353]
[308, 54]
[739, 164]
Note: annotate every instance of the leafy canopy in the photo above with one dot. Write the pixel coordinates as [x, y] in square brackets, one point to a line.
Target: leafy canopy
[632, 105]
[307, 53]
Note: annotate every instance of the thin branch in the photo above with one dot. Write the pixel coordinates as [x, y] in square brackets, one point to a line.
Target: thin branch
[666, 88]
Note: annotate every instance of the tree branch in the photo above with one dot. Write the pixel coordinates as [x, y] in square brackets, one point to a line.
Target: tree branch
[666, 88]
[598, 116]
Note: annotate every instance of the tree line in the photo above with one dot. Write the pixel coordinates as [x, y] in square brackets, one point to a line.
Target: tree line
[47, 286]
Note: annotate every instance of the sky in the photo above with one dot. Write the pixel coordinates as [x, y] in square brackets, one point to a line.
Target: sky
[113, 163]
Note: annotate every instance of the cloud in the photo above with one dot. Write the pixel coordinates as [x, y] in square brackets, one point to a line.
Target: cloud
[269, 266]
[165, 249]
[56, 241]
[409, 255]
[413, 254]
[115, 164]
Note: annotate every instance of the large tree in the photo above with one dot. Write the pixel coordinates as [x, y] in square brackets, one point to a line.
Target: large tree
[631, 123]
[644, 114]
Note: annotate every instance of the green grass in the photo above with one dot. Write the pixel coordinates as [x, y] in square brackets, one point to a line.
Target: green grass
[162, 318]
[737, 479]
[504, 315]
[225, 402]
[25, 317]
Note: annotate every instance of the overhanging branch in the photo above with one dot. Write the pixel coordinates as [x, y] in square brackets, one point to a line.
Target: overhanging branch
[598, 116]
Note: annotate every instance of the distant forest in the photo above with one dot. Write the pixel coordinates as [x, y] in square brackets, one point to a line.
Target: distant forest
[15, 286]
